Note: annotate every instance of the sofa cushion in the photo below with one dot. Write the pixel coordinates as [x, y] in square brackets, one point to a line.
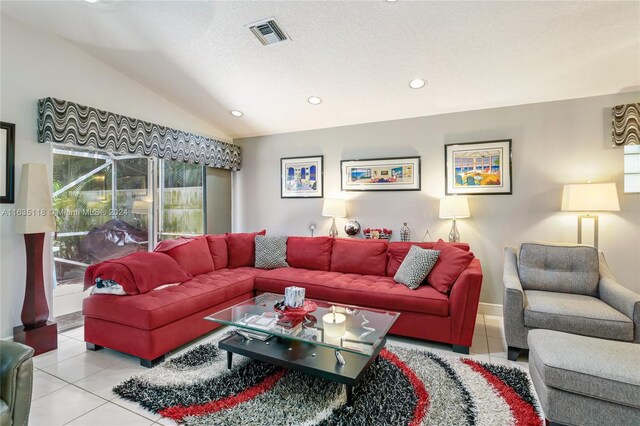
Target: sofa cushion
[271, 252]
[364, 290]
[366, 257]
[601, 369]
[562, 268]
[398, 251]
[575, 313]
[192, 254]
[138, 272]
[309, 252]
[242, 248]
[218, 248]
[157, 308]
[451, 262]
[415, 266]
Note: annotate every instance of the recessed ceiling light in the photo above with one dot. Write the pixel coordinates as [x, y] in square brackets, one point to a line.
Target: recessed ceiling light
[91, 1]
[391, 1]
[417, 83]
[314, 100]
[236, 113]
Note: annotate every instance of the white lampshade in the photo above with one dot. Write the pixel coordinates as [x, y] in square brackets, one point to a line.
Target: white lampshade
[454, 208]
[34, 199]
[334, 207]
[590, 197]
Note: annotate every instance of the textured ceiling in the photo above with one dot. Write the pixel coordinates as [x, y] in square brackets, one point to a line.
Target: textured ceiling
[358, 56]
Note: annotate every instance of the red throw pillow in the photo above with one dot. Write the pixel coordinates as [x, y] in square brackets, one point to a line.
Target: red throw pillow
[194, 255]
[451, 262]
[398, 251]
[138, 272]
[309, 252]
[218, 249]
[242, 248]
[366, 257]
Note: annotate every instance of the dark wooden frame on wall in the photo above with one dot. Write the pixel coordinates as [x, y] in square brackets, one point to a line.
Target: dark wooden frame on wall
[507, 156]
[10, 154]
[418, 175]
[321, 180]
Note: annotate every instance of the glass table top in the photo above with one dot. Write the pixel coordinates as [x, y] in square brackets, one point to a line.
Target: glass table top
[343, 327]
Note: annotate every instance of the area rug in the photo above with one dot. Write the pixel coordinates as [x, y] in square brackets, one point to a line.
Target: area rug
[407, 387]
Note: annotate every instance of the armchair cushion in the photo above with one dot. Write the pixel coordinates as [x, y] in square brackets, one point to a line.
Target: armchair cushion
[16, 381]
[559, 268]
[575, 313]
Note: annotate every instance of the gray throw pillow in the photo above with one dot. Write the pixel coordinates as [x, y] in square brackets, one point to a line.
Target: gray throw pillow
[271, 252]
[416, 266]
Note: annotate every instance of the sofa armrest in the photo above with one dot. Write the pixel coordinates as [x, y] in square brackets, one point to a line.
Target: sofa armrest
[514, 301]
[463, 303]
[16, 372]
[618, 297]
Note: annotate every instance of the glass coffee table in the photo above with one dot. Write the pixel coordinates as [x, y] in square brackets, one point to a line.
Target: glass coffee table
[329, 340]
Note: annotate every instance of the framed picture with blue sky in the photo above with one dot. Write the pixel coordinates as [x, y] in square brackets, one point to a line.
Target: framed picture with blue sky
[302, 177]
[478, 168]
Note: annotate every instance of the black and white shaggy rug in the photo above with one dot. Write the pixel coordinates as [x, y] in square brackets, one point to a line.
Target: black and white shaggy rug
[408, 387]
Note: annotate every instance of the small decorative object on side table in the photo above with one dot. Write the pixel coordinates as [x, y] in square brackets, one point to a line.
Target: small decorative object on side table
[405, 233]
[377, 233]
[352, 228]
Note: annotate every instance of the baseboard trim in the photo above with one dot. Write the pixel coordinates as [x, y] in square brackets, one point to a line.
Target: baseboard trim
[490, 309]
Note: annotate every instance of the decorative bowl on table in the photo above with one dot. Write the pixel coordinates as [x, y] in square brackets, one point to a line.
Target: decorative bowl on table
[307, 307]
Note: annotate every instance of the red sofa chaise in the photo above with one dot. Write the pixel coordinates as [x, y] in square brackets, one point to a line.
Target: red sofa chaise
[350, 271]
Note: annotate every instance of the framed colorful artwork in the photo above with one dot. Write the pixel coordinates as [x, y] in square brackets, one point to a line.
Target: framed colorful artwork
[7, 162]
[381, 174]
[301, 177]
[478, 168]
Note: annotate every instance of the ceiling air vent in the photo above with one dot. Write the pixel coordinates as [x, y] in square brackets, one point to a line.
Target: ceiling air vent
[268, 31]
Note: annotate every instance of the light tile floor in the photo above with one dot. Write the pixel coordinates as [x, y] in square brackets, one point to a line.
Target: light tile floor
[72, 386]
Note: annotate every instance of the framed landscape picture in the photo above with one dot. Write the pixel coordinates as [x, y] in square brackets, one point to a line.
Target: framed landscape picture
[381, 174]
[301, 177]
[7, 162]
[480, 168]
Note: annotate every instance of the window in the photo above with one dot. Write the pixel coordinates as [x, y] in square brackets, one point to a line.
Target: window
[632, 169]
[182, 200]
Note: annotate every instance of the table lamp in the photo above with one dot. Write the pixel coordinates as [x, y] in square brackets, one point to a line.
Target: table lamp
[334, 207]
[587, 198]
[34, 198]
[453, 208]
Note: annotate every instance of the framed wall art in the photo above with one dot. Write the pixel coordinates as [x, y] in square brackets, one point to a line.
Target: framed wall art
[7, 162]
[381, 174]
[478, 168]
[301, 177]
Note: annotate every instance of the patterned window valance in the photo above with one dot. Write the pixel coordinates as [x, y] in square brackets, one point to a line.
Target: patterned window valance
[625, 120]
[69, 123]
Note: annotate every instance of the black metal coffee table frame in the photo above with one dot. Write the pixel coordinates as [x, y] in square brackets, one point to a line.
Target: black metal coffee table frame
[305, 357]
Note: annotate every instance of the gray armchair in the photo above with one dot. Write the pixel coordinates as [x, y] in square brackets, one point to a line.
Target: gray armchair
[565, 288]
[16, 381]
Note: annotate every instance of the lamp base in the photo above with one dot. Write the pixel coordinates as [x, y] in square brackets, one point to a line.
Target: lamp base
[454, 235]
[333, 231]
[41, 339]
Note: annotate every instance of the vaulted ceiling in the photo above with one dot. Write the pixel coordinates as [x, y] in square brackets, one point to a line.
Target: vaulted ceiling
[358, 56]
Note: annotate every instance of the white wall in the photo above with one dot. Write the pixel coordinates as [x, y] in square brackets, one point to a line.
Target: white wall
[553, 144]
[36, 65]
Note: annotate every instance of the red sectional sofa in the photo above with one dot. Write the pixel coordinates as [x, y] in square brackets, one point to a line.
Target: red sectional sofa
[358, 272]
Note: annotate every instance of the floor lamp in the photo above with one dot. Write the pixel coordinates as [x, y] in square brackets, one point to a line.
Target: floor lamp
[588, 198]
[34, 199]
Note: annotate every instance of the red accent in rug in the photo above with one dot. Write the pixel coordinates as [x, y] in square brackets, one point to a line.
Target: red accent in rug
[523, 412]
[422, 404]
[179, 412]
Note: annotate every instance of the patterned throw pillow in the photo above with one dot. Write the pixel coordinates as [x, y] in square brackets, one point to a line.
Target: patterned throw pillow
[416, 266]
[271, 252]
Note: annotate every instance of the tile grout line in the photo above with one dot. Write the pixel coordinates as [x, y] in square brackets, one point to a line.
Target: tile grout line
[93, 409]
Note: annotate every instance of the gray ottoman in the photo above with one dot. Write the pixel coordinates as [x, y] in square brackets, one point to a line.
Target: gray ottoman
[584, 380]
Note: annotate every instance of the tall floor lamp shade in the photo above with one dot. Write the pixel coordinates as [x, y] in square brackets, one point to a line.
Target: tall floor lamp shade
[334, 207]
[588, 198]
[453, 208]
[34, 199]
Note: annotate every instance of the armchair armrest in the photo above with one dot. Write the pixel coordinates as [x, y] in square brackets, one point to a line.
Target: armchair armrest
[621, 298]
[514, 301]
[463, 304]
[16, 379]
